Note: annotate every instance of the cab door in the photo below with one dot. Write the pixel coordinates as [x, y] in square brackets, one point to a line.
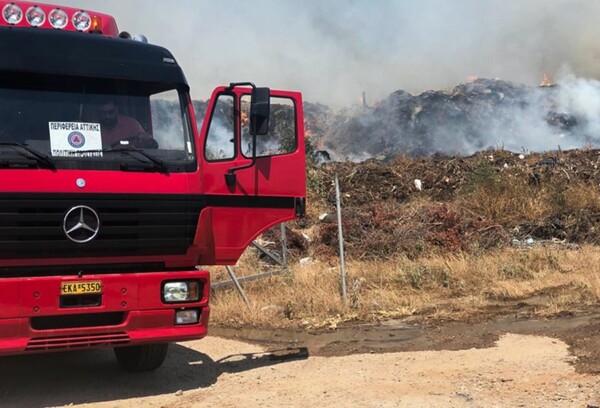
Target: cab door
[244, 196]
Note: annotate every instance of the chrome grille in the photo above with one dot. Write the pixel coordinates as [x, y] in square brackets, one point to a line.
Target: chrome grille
[131, 225]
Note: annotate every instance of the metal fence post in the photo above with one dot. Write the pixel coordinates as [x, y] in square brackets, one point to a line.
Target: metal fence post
[283, 245]
[340, 237]
[238, 287]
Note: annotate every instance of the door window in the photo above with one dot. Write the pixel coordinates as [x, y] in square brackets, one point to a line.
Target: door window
[220, 141]
[281, 138]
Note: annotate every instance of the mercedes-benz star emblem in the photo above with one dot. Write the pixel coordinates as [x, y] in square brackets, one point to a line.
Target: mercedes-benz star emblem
[81, 224]
[80, 182]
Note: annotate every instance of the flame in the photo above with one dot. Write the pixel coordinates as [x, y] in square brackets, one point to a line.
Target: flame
[245, 119]
[472, 78]
[546, 81]
[307, 132]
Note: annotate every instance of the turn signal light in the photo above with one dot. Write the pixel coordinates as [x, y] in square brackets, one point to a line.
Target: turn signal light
[96, 23]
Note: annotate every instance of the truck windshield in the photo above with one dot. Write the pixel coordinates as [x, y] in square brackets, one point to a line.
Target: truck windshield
[76, 122]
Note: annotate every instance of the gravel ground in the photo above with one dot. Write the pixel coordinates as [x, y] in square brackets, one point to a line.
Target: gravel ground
[516, 371]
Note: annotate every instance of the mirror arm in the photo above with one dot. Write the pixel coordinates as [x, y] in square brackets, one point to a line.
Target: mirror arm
[230, 178]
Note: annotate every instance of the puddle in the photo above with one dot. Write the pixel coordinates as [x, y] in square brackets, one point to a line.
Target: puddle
[581, 332]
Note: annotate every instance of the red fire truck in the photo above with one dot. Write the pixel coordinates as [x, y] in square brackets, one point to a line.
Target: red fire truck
[111, 195]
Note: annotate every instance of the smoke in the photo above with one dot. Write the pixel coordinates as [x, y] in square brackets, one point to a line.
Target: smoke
[333, 50]
[566, 116]
[581, 97]
[473, 116]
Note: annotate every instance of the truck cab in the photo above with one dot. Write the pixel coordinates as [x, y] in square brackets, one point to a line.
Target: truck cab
[114, 192]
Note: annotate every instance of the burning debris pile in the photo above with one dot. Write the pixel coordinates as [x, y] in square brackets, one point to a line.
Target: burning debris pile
[474, 116]
[413, 206]
[479, 115]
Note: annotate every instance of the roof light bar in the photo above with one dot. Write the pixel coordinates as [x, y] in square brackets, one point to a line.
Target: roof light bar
[12, 13]
[27, 14]
[58, 18]
[35, 16]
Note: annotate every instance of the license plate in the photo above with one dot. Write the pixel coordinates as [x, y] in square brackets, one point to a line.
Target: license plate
[81, 288]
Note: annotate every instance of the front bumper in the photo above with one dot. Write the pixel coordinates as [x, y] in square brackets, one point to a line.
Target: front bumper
[131, 312]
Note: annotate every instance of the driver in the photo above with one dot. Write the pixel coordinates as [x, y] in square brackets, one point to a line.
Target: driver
[116, 127]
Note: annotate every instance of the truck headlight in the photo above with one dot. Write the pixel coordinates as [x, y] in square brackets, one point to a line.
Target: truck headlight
[181, 291]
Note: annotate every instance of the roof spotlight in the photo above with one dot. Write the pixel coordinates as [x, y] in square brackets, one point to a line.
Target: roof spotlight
[82, 21]
[58, 18]
[12, 13]
[35, 16]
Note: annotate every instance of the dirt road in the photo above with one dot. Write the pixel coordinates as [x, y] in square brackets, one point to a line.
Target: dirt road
[511, 370]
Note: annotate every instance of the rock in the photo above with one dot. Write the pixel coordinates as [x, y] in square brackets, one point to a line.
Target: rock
[418, 184]
[465, 396]
[179, 393]
[327, 218]
[306, 261]
[322, 156]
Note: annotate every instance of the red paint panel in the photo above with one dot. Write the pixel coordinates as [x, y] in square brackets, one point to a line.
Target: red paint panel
[138, 295]
[64, 181]
[224, 233]
[9, 298]
[249, 223]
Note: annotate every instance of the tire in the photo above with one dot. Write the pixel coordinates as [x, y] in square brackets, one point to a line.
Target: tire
[141, 358]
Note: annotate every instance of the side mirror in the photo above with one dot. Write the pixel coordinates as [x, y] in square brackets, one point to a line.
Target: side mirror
[260, 110]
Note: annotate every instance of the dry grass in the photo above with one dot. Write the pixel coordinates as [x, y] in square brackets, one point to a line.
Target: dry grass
[506, 198]
[456, 248]
[549, 279]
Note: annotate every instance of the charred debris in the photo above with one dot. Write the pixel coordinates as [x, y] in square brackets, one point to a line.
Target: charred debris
[474, 116]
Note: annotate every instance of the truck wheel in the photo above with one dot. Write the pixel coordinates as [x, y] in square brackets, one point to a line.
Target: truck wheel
[141, 358]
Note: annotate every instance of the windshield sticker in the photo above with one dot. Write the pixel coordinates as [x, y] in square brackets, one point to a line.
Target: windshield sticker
[68, 139]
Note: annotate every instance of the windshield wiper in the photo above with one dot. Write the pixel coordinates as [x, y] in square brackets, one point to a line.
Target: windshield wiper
[158, 163]
[40, 157]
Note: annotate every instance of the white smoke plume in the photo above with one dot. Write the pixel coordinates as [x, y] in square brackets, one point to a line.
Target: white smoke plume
[473, 116]
[332, 50]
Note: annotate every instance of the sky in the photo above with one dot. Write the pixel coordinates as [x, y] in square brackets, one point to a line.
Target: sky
[333, 50]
